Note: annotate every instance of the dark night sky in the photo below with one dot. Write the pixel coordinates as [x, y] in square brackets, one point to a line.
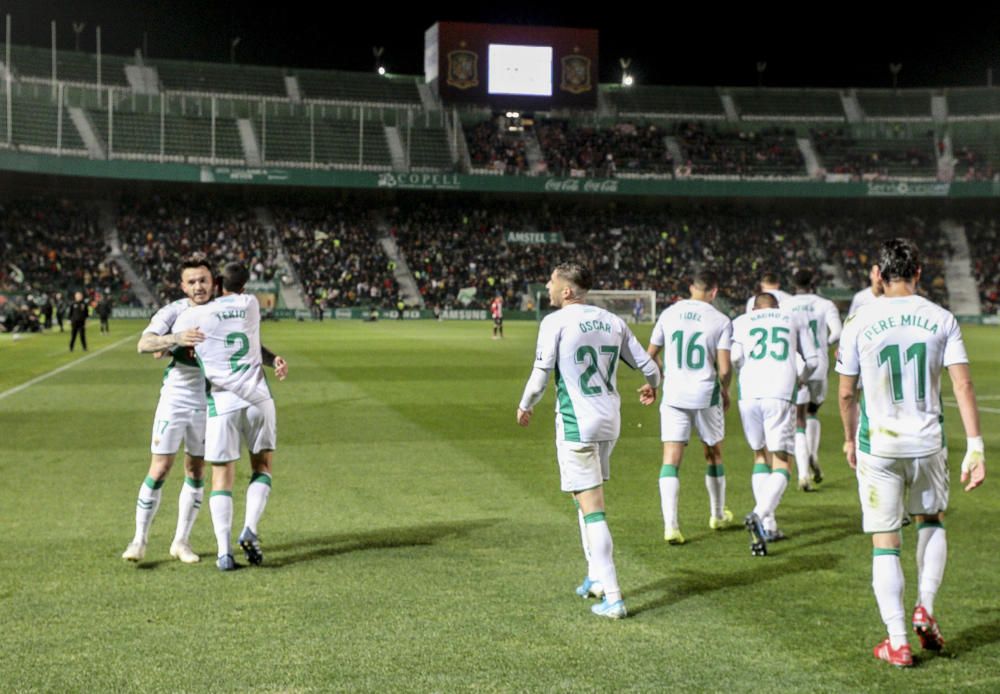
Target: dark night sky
[717, 46]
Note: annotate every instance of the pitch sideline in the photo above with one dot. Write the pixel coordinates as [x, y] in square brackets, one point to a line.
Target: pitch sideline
[49, 374]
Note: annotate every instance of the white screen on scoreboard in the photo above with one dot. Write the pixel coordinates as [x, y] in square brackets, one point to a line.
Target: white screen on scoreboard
[520, 70]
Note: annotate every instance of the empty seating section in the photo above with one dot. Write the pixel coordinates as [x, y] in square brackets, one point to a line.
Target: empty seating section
[427, 147]
[973, 102]
[137, 135]
[178, 75]
[905, 157]
[720, 151]
[678, 100]
[71, 66]
[794, 103]
[889, 104]
[357, 86]
[35, 123]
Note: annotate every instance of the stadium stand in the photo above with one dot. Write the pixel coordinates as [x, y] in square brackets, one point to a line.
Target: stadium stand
[646, 100]
[718, 151]
[984, 244]
[36, 124]
[71, 66]
[911, 104]
[789, 104]
[973, 103]
[494, 150]
[177, 75]
[426, 147]
[905, 157]
[338, 85]
[571, 149]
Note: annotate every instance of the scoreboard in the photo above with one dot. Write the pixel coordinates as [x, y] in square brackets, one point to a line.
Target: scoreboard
[511, 67]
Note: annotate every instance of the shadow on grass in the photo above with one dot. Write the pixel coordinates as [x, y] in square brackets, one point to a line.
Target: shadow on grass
[694, 583]
[289, 553]
[972, 638]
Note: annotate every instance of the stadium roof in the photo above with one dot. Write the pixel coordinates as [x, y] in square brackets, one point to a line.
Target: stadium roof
[702, 45]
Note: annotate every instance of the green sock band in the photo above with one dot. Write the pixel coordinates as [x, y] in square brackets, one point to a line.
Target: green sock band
[221, 493]
[878, 552]
[812, 416]
[782, 471]
[668, 471]
[595, 517]
[192, 482]
[153, 484]
[576, 504]
[930, 524]
[800, 430]
[761, 469]
[261, 477]
[715, 471]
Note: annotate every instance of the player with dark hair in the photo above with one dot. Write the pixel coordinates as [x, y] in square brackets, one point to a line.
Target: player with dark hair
[823, 320]
[771, 284]
[582, 344]
[79, 310]
[898, 347]
[695, 339]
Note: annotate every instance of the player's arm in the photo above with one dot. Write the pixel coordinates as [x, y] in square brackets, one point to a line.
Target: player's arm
[833, 324]
[633, 354]
[546, 353]
[151, 342]
[276, 362]
[847, 398]
[807, 348]
[974, 463]
[724, 367]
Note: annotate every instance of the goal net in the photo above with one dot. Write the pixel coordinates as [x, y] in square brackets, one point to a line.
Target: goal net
[631, 305]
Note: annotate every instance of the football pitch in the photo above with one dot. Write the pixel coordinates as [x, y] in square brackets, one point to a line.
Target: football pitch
[416, 538]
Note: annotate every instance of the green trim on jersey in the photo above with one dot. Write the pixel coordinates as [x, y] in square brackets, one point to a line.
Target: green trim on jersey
[166, 371]
[595, 517]
[571, 429]
[716, 394]
[864, 440]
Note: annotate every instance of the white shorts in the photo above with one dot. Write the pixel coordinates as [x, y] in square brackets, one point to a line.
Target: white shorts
[675, 424]
[584, 466]
[769, 422]
[882, 486]
[812, 392]
[255, 425]
[172, 425]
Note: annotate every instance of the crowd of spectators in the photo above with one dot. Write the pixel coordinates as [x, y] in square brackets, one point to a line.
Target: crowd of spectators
[578, 150]
[984, 243]
[971, 165]
[492, 146]
[717, 151]
[50, 248]
[334, 248]
[158, 232]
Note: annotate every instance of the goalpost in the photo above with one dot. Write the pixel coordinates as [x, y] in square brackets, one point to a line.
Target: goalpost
[623, 303]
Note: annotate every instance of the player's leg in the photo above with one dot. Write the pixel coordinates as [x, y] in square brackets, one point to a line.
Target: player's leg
[589, 587]
[188, 506]
[222, 451]
[261, 436]
[74, 330]
[802, 440]
[710, 424]
[675, 430]
[83, 336]
[928, 499]
[880, 488]
[501, 328]
[817, 394]
[148, 503]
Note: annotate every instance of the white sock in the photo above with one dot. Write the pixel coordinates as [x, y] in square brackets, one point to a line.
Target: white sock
[932, 554]
[221, 505]
[758, 480]
[585, 542]
[812, 436]
[715, 483]
[802, 454]
[188, 505]
[887, 582]
[601, 548]
[670, 488]
[146, 507]
[771, 495]
[257, 493]
[769, 522]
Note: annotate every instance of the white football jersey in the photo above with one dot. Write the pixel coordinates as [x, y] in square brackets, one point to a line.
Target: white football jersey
[776, 293]
[583, 344]
[862, 298]
[765, 344]
[183, 381]
[230, 355]
[689, 334]
[899, 346]
[823, 319]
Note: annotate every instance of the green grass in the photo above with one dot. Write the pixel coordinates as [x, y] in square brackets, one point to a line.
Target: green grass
[416, 540]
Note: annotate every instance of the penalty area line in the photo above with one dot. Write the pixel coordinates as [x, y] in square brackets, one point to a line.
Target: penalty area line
[38, 379]
[988, 410]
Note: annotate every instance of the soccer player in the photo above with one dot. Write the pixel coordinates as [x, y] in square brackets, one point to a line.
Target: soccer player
[868, 295]
[496, 310]
[765, 344]
[770, 284]
[898, 346]
[695, 339]
[180, 416]
[583, 344]
[824, 324]
[239, 407]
